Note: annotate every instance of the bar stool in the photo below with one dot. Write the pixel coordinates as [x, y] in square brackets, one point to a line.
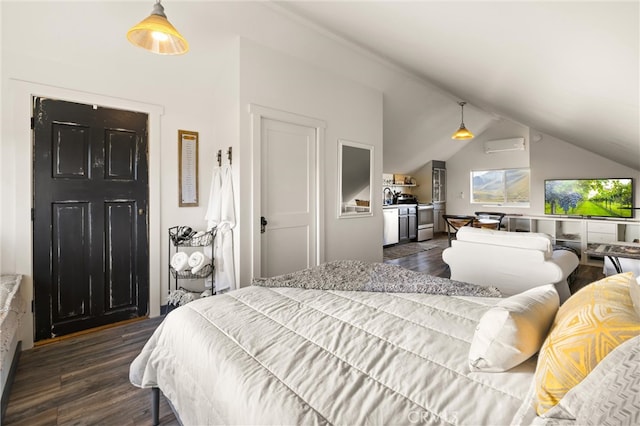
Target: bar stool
[455, 222]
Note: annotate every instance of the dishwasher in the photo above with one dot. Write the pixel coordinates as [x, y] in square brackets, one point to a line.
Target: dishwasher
[390, 220]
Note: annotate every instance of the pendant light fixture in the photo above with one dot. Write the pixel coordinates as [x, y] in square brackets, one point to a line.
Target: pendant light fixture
[157, 35]
[462, 133]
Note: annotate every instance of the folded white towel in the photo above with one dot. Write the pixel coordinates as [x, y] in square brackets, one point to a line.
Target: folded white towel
[179, 261]
[197, 261]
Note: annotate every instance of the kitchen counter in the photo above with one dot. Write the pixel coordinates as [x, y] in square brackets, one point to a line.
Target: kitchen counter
[395, 206]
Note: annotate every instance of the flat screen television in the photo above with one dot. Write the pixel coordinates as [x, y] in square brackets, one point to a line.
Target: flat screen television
[589, 197]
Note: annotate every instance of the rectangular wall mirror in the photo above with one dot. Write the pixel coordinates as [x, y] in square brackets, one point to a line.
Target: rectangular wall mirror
[355, 179]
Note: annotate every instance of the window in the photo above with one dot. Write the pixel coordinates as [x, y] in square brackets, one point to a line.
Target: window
[509, 187]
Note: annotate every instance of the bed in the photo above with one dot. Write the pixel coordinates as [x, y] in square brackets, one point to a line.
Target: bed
[12, 308]
[286, 352]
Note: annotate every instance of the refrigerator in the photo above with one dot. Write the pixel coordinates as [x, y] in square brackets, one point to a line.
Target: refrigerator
[432, 180]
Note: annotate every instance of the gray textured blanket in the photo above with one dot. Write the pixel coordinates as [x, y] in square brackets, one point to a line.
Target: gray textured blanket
[353, 275]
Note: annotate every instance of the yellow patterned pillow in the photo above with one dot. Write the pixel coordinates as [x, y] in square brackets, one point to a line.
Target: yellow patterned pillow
[589, 325]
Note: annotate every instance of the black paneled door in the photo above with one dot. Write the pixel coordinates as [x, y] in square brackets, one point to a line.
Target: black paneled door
[90, 232]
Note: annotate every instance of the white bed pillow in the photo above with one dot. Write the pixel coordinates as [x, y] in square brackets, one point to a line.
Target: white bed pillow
[513, 330]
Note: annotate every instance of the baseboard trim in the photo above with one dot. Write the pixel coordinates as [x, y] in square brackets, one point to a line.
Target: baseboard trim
[89, 330]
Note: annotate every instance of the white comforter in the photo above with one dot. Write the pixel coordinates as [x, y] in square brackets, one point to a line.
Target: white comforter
[292, 356]
[11, 310]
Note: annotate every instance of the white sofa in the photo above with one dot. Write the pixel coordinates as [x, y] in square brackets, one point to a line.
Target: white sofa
[511, 261]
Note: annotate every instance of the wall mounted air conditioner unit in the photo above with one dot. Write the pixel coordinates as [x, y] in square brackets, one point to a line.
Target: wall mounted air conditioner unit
[504, 145]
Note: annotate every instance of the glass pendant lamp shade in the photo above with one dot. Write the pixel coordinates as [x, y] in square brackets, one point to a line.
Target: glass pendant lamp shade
[462, 133]
[157, 35]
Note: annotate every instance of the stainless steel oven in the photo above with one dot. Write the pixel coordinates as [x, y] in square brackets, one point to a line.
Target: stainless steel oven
[425, 222]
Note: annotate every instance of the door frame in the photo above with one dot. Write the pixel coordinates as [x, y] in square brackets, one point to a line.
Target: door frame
[257, 113]
[21, 94]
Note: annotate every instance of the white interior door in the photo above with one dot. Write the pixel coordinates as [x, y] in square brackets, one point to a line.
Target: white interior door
[288, 197]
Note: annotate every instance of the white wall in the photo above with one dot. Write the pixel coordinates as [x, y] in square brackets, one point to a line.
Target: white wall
[552, 158]
[418, 117]
[78, 51]
[73, 66]
[350, 110]
[546, 156]
[419, 120]
[472, 157]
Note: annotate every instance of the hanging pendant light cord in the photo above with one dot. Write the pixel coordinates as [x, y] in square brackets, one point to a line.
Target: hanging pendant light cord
[462, 133]
[158, 9]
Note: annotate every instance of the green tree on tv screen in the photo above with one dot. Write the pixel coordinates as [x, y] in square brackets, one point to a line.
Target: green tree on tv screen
[589, 197]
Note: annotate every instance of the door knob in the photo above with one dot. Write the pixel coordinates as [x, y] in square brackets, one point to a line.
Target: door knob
[263, 224]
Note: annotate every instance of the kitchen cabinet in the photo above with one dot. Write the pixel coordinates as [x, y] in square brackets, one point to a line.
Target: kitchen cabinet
[439, 181]
[439, 225]
[403, 229]
[433, 182]
[400, 224]
[407, 223]
[433, 189]
[413, 227]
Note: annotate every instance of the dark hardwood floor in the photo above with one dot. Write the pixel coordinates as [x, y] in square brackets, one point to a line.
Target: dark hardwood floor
[84, 380]
[429, 261]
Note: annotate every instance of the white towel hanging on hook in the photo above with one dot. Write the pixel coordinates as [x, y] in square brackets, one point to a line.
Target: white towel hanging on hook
[213, 208]
[223, 246]
[221, 215]
[213, 214]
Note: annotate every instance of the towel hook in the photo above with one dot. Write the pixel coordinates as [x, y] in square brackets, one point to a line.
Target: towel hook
[219, 156]
[229, 155]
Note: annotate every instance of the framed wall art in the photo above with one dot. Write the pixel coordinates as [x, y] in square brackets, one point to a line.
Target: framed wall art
[188, 168]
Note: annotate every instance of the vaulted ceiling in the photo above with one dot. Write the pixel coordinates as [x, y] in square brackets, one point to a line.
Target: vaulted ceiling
[570, 69]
